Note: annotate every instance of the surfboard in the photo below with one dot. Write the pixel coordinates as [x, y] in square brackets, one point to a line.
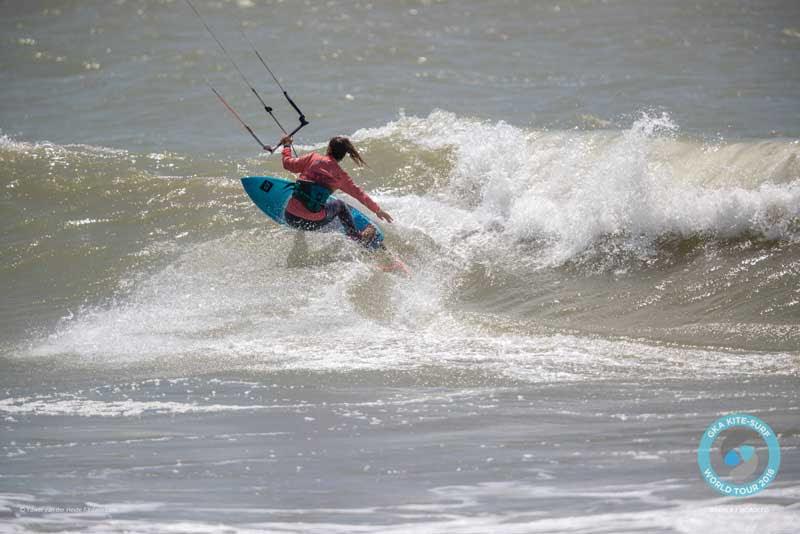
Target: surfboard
[271, 195]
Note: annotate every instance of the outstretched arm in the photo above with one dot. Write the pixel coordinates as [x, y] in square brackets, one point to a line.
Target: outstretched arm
[348, 186]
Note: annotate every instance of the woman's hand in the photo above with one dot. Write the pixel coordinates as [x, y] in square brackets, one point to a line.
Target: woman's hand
[286, 140]
[383, 215]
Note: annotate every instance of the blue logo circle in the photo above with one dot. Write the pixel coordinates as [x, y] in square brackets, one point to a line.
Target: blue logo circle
[742, 436]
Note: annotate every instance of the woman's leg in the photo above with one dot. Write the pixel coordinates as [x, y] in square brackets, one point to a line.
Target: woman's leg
[335, 208]
[304, 224]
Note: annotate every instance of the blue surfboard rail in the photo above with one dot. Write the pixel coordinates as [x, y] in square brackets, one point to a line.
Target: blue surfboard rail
[271, 194]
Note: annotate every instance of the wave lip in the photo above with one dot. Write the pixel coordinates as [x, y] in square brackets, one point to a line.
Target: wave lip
[572, 190]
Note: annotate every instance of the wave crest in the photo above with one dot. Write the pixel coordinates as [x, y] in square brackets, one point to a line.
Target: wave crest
[573, 189]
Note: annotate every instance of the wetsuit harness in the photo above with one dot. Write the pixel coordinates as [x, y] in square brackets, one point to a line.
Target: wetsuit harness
[312, 195]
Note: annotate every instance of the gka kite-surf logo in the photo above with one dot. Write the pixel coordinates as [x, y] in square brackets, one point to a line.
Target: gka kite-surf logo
[739, 455]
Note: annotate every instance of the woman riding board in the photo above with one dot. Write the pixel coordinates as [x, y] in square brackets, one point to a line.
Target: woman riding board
[310, 207]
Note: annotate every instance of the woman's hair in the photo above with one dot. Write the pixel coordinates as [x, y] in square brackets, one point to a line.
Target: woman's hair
[339, 146]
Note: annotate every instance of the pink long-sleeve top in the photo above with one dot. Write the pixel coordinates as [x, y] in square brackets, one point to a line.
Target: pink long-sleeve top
[325, 171]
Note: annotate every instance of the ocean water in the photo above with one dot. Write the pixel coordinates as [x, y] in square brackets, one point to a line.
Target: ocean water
[599, 203]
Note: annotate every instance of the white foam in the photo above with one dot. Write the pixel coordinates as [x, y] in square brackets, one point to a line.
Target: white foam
[574, 189]
[204, 311]
[54, 150]
[124, 408]
[451, 509]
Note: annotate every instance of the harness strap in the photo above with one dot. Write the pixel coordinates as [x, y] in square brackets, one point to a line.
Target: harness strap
[310, 194]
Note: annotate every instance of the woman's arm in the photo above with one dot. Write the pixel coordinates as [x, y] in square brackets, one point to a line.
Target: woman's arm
[296, 165]
[347, 185]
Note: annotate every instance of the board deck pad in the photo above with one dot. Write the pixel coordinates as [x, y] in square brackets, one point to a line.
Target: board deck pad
[271, 195]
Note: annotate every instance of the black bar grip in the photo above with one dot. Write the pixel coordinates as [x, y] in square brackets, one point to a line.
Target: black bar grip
[302, 116]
